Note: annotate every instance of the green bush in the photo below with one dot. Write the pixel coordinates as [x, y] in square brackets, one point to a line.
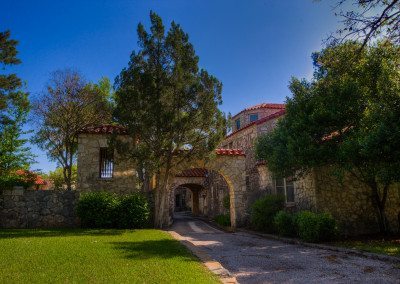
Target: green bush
[227, 202]
[285, 224]
[223, 220]
[132, 212]
[106, 210]
[264, 210]
[314, 227]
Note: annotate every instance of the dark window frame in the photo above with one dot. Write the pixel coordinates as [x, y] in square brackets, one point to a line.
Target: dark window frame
[237, 123]
[253, 114]
[106, 163]
[287, 188]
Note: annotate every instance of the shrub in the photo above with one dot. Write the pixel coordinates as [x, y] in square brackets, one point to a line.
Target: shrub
[106, 210]
[313, 227]
[223, 220]
[264, 210]
[132, 212]
[285, 224]
[97, 209]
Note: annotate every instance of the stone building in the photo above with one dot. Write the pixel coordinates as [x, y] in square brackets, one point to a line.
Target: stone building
[234, 174]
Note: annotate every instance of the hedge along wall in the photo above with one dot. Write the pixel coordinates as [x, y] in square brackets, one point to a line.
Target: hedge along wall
[20, 208]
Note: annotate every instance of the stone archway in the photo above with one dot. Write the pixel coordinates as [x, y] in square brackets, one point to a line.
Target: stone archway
[230, 164]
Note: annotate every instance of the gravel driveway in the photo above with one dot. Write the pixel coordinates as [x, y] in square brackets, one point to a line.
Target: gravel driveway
[253, 259]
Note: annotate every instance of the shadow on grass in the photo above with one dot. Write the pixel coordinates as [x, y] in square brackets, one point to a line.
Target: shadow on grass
[39, 233]
[154, 249]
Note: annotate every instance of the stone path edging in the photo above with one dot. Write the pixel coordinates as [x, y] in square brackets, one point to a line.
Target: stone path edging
[214, 266]
[386, 258]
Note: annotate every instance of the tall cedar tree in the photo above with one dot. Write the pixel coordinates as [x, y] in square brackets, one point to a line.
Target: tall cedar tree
[347, 119]
[169, 107]
[69, 105]
[14, 108]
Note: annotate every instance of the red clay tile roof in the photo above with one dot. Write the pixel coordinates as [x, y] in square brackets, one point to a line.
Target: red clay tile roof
[230, 152]
[31, 176]
[260, 106]
[262, 120]
[105, 129]
[196, 172]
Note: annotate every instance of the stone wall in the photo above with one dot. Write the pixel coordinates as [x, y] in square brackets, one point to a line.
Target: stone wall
[21, 208]
[350, 203]
[124, 178]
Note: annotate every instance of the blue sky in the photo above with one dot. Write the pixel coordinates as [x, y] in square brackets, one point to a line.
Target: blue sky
[254, 47]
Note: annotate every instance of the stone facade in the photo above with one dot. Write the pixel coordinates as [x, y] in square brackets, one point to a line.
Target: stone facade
[350, 203]
[235, 171]
[124, 178]
[20, 208]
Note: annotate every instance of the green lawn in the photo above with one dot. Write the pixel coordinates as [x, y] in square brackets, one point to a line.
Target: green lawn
[388, 247]
[97, 256]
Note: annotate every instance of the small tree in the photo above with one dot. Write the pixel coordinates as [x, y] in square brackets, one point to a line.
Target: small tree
[347, 117]
[14, 107]
[57, 177]
[169, 107]
[68, 106]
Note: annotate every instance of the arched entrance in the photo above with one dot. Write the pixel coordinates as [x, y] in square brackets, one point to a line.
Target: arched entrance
[210, 193]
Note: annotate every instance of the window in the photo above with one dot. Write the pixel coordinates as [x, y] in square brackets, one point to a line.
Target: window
[285, 187]
[106, 163]
[237, 122]
[253, 117]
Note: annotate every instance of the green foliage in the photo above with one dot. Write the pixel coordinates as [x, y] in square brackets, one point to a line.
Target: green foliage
[264, 210]
[8, 181]
[106, 210]
[69, 105]
[223, 220]
[314, 227]
[14, 108]
[97, 209]
[165, 99]
[360, 136]
[227, 202]
[132, 212]
[285, 224]
[57, 177]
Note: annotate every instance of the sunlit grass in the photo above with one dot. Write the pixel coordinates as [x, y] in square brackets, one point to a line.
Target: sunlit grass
[97, 256]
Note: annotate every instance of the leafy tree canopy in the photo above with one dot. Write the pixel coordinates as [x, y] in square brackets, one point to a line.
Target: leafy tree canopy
[68, 105]
[347, 117]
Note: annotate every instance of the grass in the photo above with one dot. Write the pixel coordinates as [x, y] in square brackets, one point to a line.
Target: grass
[97, 256]
[389, 247]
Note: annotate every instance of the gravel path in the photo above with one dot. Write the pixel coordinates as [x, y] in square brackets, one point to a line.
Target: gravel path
[253, 259]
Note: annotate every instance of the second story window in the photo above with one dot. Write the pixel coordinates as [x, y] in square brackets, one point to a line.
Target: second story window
[237, 122]
[106, 163]
[253, 117]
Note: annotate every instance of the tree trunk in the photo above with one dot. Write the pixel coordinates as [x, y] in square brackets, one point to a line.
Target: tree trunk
[67, 176]
[161, 206]
[379, 204]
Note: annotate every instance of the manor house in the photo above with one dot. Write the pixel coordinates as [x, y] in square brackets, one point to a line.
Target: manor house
[233, 179]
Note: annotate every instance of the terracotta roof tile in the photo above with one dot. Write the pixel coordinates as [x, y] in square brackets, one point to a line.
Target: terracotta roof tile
[261, 106]
[105, 129]
[230, 152]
